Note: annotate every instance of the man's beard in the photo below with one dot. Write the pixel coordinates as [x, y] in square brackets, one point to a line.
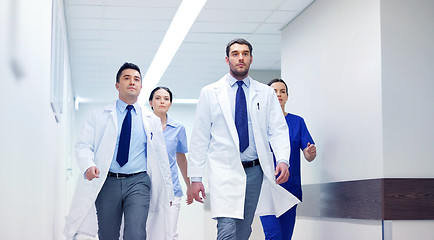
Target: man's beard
[239, 74]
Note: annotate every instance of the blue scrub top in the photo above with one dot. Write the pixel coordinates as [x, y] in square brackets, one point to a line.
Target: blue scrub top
[176, 141]
[299, 137]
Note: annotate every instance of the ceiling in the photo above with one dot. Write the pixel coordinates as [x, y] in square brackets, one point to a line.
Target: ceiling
[103, 34]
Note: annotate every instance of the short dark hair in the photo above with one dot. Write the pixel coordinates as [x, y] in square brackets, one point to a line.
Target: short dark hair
[127, 65]
[241, 41]
[151, 96]
[278, 80]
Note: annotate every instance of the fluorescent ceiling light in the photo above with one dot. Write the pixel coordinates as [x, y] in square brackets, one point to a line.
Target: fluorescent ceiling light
[178, 29]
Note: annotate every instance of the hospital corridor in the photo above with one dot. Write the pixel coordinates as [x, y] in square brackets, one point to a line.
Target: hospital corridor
[359, 72]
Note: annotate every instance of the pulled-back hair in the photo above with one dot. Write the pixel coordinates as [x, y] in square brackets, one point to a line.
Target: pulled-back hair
[278, 80]
[151, 96]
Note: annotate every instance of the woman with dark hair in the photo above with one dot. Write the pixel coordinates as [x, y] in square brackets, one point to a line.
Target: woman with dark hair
[281, 228]
[160, 100]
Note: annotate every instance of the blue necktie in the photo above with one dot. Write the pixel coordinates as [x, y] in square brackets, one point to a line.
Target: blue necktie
[241, 117]
[124, 139]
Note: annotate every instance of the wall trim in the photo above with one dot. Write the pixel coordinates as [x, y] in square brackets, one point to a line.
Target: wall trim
[375, 199]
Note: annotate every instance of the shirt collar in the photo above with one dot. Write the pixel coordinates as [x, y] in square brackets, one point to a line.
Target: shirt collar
[121, 105]
[231, 80]
[170, 121]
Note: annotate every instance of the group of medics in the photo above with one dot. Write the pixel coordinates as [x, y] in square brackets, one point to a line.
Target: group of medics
[129, 157]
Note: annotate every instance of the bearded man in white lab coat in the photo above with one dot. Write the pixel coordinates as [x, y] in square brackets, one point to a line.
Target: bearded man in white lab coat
[124, 168]
[237, 119]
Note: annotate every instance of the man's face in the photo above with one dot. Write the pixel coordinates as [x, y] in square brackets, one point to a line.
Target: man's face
[239, 60]
[129, 84]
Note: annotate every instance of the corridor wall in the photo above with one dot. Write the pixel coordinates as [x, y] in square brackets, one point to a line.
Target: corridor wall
[34, 146]
[360, 74]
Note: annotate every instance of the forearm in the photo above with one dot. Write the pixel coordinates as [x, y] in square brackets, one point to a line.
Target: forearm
[84, 148]
[182, 164]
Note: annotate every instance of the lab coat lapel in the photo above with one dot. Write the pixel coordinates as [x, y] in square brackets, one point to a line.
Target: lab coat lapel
[108, 142]
[252, 95]
[223, 100]
[112, 109]
[145, 115]
[253, 111]
[158, 226]
[148, 129]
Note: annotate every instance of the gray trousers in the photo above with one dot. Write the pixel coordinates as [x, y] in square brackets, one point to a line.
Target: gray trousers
[128, 196]
[240, 229]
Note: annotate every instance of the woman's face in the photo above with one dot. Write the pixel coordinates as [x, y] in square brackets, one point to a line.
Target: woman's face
[281, 93]
[160, 101]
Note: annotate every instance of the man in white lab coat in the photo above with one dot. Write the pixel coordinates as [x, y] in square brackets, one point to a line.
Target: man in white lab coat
[124, 168]
[237, 119]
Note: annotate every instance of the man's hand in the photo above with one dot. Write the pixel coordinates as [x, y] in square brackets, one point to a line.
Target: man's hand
[196, 188]
[282, 168]
[91, 173]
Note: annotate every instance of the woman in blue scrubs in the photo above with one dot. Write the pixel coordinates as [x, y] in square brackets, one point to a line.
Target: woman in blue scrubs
[281, 228]
[176, 144]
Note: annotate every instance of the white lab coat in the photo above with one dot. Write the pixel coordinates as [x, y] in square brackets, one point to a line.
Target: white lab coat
[214, 141]
[96, 147]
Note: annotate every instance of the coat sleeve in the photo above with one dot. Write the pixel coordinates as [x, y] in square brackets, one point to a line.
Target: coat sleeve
[278, 134]
[85, 145]
[200, 136]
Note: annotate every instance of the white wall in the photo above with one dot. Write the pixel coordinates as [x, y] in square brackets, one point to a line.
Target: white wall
[264, 76]
[407, 36]
[331, 61]
[33, 146]
[319, 229]
[405, 230]
[360, 73]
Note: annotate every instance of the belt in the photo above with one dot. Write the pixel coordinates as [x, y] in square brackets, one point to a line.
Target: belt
[123, 175]
[248, 164]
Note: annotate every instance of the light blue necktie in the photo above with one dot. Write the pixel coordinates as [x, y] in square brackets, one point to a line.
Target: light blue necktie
[241, 117]
[124, 139]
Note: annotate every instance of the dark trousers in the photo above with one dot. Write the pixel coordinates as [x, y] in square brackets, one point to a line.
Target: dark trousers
[280, 228]
[240, 229]
[126, 196]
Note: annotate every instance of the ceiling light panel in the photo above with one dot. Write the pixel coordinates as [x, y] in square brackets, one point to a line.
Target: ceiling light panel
[243, 5]
[229, 15]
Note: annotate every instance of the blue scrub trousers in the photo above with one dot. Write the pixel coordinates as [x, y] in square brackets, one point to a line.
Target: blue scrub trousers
[280, 228]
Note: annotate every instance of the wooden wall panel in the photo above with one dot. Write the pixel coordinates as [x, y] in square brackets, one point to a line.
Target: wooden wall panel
[409, 199]
[377, 199]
